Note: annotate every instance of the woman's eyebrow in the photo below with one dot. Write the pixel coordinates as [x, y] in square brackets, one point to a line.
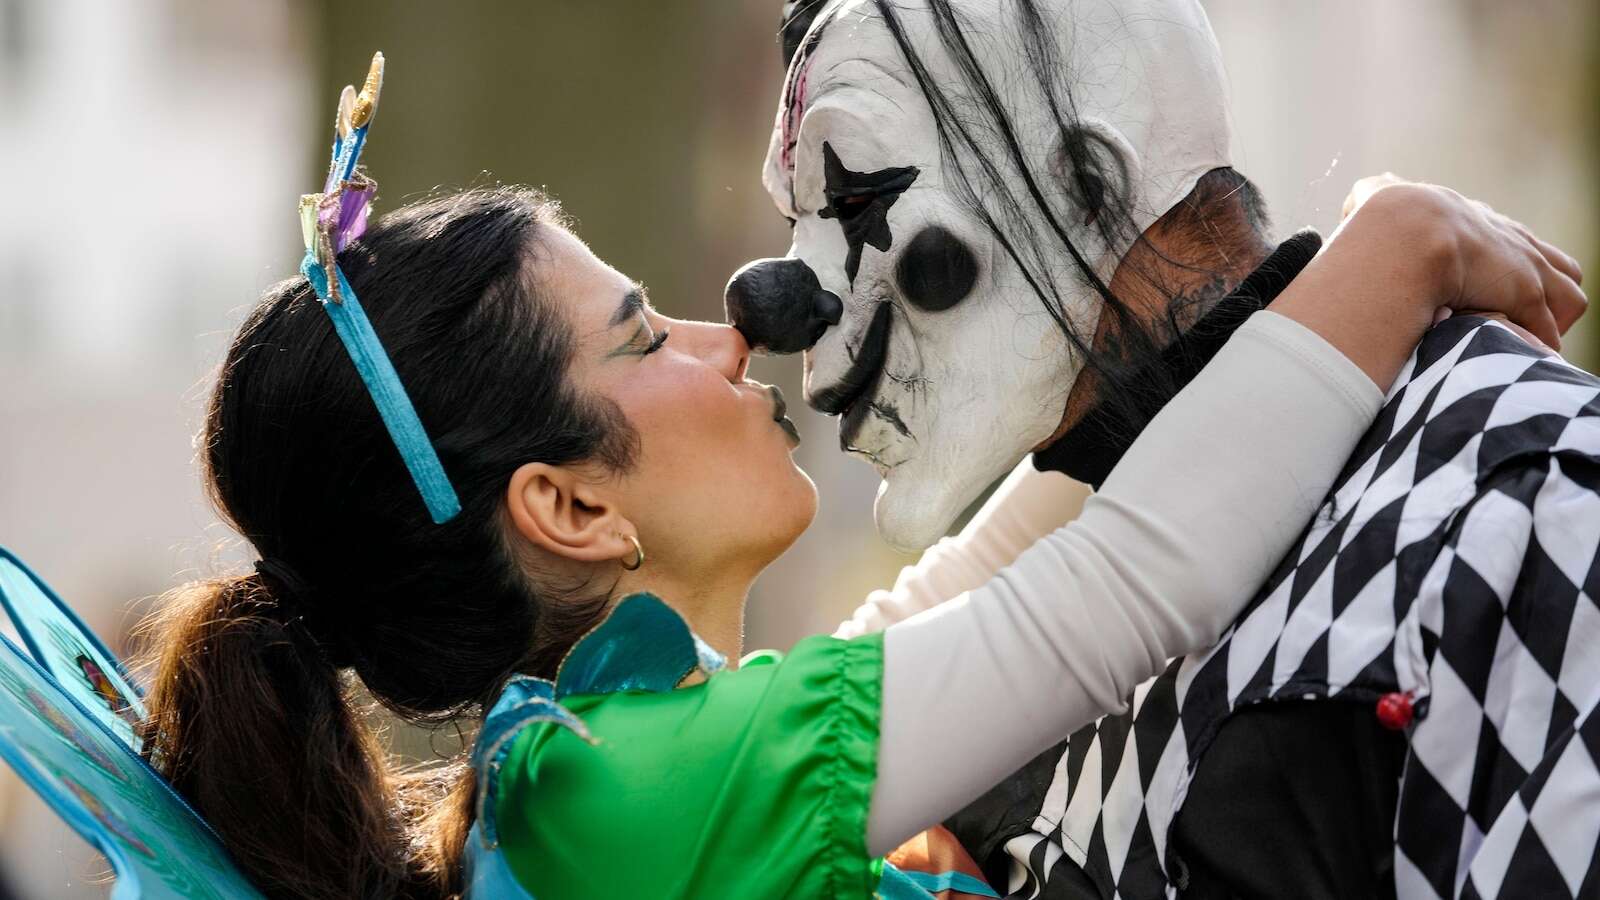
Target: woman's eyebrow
[633, 303]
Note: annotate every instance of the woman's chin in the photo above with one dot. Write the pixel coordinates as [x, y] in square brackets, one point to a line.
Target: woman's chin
[798, 506]
[780, 507]
[807, 501]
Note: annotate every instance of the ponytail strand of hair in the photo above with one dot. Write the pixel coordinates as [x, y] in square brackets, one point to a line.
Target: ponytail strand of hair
[249, 720]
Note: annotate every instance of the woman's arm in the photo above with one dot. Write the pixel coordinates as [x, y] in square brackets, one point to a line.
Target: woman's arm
[1409, 253]
[1202, 506]
[1028, 505]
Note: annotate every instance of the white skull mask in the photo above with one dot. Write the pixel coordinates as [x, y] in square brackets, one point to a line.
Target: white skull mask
[940, 188]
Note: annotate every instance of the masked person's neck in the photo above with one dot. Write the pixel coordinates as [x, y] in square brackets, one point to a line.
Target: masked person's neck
[1101, 432]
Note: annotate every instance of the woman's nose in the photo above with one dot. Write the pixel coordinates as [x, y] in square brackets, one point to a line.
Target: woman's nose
[720, 346]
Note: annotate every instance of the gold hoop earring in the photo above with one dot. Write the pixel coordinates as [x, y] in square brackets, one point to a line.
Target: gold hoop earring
[638, 554]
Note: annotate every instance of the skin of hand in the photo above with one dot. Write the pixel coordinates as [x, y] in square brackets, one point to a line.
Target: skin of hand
[1365, 187]
[1405, 252]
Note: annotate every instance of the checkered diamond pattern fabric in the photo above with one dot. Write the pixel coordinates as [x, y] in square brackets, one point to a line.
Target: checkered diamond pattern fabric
[1457, 558]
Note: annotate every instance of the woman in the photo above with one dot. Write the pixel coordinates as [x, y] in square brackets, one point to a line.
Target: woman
[580, 429]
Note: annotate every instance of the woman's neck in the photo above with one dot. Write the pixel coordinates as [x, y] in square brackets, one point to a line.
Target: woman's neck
[713, 608]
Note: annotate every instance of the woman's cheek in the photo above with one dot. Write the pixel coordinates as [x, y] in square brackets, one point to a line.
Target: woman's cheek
[689, 414]
[650, 403]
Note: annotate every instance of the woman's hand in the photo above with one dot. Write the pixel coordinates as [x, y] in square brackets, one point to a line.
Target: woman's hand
[1410, 253]
[1491, 262]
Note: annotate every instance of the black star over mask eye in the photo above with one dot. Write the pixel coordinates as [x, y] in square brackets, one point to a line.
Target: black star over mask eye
[861, 201]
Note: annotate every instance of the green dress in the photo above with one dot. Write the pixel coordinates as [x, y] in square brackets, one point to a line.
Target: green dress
[752, 784]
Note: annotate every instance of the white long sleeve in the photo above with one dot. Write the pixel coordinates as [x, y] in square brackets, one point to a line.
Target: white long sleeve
[1028, 505]
[1188, 525]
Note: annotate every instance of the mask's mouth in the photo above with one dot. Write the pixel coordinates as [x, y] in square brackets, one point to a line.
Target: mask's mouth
[866, 363]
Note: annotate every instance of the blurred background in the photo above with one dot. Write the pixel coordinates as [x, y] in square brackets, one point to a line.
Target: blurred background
[152, 152]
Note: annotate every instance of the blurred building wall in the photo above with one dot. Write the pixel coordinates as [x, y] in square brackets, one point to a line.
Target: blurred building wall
[1500, 101]
[145, 151]
[153, 151]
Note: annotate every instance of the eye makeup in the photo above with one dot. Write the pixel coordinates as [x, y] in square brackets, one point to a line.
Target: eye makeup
[636, 304]
[631, 346]
[657, 341]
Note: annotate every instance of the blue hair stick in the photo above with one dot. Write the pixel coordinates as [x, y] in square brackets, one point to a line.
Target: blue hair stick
[328, 222]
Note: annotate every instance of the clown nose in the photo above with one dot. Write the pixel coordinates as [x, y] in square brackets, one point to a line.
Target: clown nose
[778, 305]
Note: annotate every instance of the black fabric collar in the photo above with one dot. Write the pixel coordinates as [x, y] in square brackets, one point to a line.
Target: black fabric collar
[1091, 449]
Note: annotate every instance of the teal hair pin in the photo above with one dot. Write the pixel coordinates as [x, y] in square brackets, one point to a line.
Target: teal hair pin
[329, 221]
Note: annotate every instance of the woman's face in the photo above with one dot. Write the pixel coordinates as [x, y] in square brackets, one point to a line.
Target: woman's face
[714, 488]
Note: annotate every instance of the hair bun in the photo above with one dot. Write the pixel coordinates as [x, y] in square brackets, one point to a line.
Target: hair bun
[290, 594]
[277, 571]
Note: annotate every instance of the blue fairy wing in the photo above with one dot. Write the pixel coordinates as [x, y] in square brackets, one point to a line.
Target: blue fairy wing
[156, 844]
[68, 651]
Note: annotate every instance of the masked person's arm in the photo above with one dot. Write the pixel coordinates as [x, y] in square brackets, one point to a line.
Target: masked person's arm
[1205, 502]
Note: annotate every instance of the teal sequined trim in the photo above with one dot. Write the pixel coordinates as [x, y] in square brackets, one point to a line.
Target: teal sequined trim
[643, 645]
[525, 701]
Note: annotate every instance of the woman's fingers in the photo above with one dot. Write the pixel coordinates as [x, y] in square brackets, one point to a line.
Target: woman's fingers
[1537, 287]
[1559, 273]
[1562, 260]
[1539, 320]
[1540, 289]
[1535, 298]
[1562, 300]
[1559, 258]
[1564, 297]
[1524, 296]
[1503, 267]
[1563, 284]
[1510, 277]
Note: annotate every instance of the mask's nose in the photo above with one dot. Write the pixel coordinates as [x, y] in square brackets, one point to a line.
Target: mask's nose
[778, 305]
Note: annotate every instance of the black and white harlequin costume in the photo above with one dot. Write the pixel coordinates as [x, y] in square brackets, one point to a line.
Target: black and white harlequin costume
[1448, 589]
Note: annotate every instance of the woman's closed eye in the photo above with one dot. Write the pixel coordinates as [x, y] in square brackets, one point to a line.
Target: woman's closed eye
[657, 341]
[636, 309]
[637, 345]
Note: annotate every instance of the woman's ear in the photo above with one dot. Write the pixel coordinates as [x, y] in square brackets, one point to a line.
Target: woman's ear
[557, 509]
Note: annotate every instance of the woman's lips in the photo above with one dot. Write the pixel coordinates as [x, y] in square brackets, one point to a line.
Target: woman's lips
[780, 409]
[791, 431]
